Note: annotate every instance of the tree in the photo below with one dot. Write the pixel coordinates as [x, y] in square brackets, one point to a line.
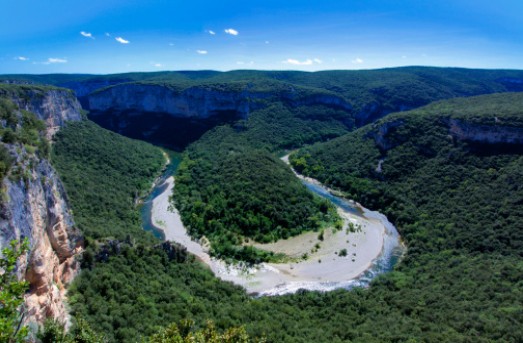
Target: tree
[11, 294]
[183, 333]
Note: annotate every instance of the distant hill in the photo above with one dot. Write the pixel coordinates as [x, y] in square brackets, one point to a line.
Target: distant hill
[373, 93]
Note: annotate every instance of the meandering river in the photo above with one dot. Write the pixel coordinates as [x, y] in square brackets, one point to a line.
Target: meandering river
[373, 250]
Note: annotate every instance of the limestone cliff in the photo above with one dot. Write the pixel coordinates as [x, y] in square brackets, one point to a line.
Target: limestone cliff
[34, 206]
[385, 136]
[55, 106]
[486, 134]
[202, 101]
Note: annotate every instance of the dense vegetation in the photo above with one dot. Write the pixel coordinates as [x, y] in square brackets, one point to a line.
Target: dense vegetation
[457, 203]
[442, 297]
[105, 175]
[230, 186]
[21, 128]
[461, 279]
[11, 294]
[372, 92]
[437, 188]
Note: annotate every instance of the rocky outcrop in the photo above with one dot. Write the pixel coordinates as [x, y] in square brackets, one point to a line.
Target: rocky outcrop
[201, 101]
[37, 210]
[34, 206]
[86, 87]
[381, 134]
[486, 134]
[54, 106]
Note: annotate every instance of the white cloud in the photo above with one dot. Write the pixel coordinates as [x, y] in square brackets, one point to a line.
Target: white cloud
[231, 32]
[158, 65]
[317, 60]
[292, 61]
[211, 32]
[87, 34]
[245, 63]
[357, 61]
[21, 58]
[108, 34]
[121, 40]
[202, 52]
[52, 60]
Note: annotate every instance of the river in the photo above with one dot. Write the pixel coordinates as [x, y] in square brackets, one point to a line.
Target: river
[373, 250]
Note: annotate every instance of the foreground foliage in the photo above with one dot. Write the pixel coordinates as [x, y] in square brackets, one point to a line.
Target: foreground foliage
[182, 333]
[11, 294]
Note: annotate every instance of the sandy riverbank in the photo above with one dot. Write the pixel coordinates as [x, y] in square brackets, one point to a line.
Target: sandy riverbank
[324, 269]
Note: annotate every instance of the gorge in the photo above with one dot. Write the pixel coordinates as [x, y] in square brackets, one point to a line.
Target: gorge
[448, 177]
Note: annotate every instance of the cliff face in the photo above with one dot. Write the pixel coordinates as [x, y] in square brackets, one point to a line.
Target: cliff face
[386, 138]
[55, 106]
[382, 135]
[36, 209]
[174, 118]
[486, 134]
[198, 102]
[34, 206]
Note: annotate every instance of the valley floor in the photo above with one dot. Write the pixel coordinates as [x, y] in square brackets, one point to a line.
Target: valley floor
[334, 262]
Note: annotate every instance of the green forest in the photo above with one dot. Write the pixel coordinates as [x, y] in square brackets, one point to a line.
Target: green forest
[230, 185]
[455, 197]
[460, 281]
[105, 175]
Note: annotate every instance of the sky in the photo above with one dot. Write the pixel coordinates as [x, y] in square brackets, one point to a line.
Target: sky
[114, 36]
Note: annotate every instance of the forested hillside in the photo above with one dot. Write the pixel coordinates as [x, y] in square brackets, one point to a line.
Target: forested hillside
[230, 186]
[105, 175]
[448, 175]
[456, 203]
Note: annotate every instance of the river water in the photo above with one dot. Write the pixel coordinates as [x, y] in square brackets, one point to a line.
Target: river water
[393, 248]
[266, 279]
[158, 188]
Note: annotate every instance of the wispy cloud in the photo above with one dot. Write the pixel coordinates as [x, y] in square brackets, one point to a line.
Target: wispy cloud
[108, 34]
[22, 58]
[52, 60]
[202, 52]
[211, 32]
[306, 62]
[357, 61]
[241, 63]
[87, 34]
[232, 32]
[292, 61]
[121, 40]
[158, 65]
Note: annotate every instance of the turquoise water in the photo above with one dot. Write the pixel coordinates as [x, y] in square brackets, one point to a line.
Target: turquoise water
[158, 188]
[391, 254]
[393, 248]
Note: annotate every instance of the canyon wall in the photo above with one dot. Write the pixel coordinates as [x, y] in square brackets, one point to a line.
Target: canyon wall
[34, 206]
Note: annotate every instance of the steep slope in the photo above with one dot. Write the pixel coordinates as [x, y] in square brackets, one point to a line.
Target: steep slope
[34, 204]
[454, 192]
[449, 174]
[176, 114]
[105, 176]
[373, 93]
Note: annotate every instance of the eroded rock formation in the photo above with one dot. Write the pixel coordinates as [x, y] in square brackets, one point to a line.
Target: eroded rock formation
[34, 206]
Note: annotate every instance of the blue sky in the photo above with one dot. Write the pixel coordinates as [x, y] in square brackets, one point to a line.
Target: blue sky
[112, 36]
